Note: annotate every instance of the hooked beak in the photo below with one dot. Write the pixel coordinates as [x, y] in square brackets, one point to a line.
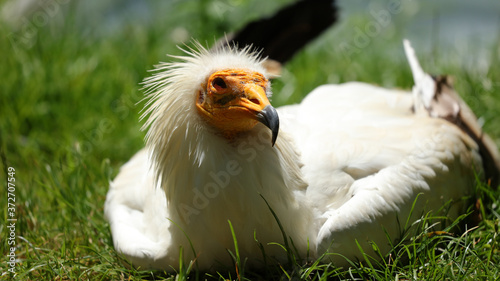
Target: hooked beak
[269, 117]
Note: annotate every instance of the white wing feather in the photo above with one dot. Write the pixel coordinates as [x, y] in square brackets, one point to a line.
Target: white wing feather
[137, 213]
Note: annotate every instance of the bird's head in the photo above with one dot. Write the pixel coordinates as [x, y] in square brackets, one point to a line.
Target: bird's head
[234, 100]
[227, 89]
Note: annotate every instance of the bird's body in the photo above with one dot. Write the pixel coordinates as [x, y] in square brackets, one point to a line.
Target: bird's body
[349, 163]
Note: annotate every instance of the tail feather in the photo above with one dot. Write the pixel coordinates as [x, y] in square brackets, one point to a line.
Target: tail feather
[436, 96]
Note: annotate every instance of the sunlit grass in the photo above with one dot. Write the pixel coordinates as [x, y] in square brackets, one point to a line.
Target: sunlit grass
[69, 120]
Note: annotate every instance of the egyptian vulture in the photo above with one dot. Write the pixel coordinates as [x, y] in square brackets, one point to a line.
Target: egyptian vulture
[348, 165]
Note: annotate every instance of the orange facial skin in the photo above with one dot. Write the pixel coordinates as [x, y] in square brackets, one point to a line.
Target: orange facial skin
[233, 100]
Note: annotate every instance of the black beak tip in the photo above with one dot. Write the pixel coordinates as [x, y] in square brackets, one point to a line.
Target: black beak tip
[273, 140]
[269, 117]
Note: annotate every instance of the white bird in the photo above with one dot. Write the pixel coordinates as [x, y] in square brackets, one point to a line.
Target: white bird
[345, 166]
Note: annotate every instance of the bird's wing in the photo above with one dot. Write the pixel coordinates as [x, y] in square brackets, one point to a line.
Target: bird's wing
[137, 214]
[283, 34]
[366, 158]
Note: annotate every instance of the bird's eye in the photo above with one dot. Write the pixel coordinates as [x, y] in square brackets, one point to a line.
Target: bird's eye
[219, 84]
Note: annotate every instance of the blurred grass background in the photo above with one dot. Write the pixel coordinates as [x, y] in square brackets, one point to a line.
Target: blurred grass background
[70, 102]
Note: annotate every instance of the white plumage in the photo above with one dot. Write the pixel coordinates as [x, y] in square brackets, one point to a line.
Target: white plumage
[348, 164]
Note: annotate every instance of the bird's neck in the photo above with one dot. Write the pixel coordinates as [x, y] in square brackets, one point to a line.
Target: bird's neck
[210, 181]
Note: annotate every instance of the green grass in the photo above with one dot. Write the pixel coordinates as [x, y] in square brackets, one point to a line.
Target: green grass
[69, 120]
